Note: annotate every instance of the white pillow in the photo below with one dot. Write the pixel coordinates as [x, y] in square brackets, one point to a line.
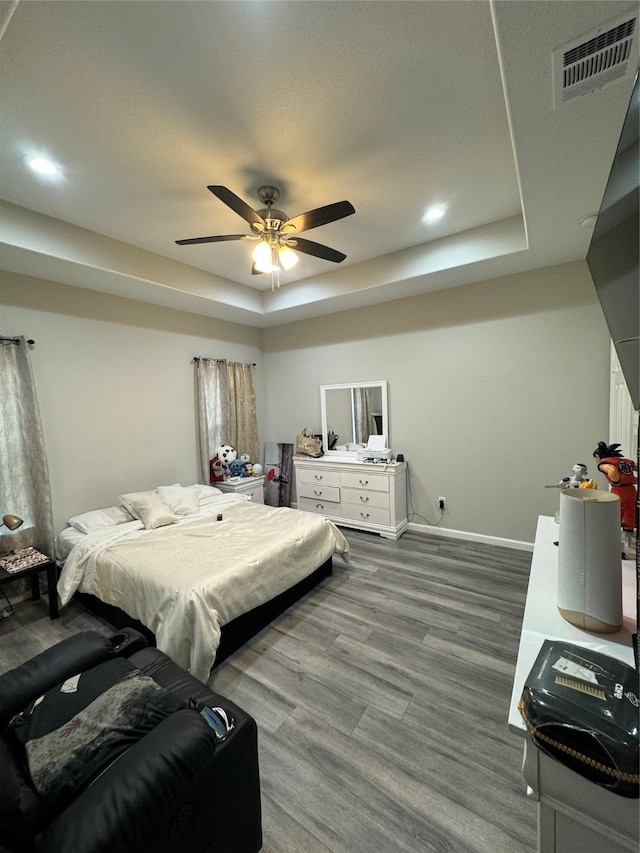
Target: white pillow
[149, 508]
[181, 500]
[203, 491]
[96, 518]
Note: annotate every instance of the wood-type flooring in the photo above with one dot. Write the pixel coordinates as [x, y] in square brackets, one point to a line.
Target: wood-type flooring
[381, 699]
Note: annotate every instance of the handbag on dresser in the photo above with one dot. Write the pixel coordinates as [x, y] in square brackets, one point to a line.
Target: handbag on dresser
[307, 444]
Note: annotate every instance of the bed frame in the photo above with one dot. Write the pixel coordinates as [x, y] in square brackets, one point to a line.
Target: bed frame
[235, 633]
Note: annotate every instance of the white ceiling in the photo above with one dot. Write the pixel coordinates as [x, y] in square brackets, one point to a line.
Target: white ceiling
[394, 106]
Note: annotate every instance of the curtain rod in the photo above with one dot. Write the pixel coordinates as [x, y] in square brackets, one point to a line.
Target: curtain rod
[14, 340]
[219, 360]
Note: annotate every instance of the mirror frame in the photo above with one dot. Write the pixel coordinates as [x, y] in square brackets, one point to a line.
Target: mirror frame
[382, 384]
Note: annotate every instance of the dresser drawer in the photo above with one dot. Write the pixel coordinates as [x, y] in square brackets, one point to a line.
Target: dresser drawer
[317, 505]
[252, 487]
[359, 480]
[364, 498]
[368, 515]
[256, 494]
[316, 491]
[326, 478]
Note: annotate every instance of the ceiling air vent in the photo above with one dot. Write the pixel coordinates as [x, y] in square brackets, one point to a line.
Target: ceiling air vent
[607, 54]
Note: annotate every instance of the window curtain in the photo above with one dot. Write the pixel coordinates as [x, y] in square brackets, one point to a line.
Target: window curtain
[364, 422]
[24, 473]
[226, 409]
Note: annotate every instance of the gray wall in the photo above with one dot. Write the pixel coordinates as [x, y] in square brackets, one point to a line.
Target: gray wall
[495, 390]
[115, 383]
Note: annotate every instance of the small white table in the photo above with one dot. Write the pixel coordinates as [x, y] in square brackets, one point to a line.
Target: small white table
[251, 486]
[574, 814]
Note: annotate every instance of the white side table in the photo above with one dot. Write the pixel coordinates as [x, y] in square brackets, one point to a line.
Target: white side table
[251, 486]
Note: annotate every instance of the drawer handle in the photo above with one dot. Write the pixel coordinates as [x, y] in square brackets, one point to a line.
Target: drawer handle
[318, 476]
[319, 506]
[317, 493]
[364, 499]
[363, 482]
[364, 515]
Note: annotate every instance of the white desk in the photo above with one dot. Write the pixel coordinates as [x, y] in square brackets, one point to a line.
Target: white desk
[574, 815]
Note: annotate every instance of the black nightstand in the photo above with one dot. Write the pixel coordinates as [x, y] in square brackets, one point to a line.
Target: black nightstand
[34, 573]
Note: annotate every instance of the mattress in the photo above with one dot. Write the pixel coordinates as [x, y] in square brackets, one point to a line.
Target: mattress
[184, 581]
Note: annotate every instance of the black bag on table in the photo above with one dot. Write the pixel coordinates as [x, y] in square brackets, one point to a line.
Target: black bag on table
[581, 708]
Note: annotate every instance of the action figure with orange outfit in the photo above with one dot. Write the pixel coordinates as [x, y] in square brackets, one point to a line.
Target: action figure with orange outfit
[619, 473]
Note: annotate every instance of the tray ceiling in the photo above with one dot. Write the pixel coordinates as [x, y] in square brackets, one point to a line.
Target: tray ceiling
[395, 106]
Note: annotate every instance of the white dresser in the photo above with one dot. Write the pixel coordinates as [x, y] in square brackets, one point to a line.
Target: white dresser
[367, 496]
[251, 486]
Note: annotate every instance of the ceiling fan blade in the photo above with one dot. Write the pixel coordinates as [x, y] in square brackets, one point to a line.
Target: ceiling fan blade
[237, 205]
[318, 250]
[219, 239]
[319, 216]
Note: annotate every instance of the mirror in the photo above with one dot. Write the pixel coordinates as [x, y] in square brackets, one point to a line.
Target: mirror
[353, 412]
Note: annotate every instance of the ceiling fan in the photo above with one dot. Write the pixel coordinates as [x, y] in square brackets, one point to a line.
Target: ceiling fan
[277, 235]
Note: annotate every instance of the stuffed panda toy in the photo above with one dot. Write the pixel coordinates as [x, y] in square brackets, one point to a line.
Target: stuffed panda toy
[219, 465]
[226, 454]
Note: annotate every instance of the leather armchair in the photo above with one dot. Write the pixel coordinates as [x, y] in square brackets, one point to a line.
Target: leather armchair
[176, 788]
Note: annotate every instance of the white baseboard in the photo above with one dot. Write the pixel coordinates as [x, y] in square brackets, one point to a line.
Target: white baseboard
[498, 541]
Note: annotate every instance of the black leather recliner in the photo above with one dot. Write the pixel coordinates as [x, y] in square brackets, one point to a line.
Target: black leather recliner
[174, 789]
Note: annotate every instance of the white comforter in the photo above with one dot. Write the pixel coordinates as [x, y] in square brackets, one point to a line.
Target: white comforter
[184, 581]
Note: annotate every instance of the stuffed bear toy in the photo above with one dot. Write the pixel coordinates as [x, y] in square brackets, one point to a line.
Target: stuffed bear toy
[216, 470]
[219, 465]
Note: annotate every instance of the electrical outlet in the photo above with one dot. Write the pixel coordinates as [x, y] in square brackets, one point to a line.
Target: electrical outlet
[442, 503]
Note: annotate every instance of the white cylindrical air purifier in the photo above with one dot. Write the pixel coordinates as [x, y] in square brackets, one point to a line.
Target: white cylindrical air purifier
[589, 560]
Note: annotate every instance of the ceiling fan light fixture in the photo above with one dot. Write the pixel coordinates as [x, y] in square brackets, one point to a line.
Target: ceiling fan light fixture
[274, 231]
[287, 258]
[262, 257]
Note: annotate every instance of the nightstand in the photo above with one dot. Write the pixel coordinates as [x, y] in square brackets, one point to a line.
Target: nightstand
[33, 572]
[251, 486]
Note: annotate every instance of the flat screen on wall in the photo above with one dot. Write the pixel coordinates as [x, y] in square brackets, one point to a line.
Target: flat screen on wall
[613, 254]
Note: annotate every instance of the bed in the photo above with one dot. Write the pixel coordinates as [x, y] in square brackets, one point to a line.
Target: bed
[187, 561]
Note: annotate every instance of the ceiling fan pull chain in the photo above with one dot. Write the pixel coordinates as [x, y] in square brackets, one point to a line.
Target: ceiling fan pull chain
[275, 267]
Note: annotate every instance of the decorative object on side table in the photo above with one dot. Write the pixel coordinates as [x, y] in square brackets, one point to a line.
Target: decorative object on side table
[219, 465]
[23, 559]
[620, 474]
[31, 562]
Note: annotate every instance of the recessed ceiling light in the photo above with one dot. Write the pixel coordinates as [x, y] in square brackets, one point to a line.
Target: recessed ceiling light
[434, 213]
[41, 165]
